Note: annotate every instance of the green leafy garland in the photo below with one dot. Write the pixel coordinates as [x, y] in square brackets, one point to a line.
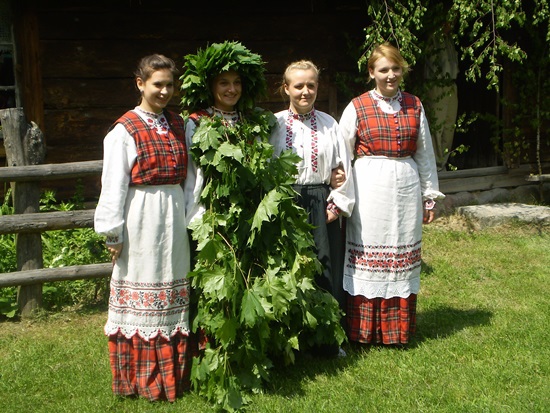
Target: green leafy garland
[255, 264]
[201, 68]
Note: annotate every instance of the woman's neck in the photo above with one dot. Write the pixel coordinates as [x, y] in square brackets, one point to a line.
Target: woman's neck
[224, 109]
[386, 95]
[300, 111]
[148, 110]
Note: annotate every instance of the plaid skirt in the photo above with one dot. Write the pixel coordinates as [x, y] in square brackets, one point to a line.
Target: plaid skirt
[158, 369]
[381, 320]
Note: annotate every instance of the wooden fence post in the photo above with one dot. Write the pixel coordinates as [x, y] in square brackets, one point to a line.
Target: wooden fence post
[24, 145]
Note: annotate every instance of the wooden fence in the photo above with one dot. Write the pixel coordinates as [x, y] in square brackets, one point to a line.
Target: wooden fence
[24, 153]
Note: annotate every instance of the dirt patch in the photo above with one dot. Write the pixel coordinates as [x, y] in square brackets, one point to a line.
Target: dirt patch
[452, 222]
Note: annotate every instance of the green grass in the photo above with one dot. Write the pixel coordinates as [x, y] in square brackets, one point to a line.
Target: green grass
[481, 345]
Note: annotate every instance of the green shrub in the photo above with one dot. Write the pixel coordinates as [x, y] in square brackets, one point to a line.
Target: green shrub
[61, 248]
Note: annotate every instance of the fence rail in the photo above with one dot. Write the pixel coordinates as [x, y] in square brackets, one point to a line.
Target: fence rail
[74, 272]
[39, 222]
[24, 155]
[46, 221]
[51, 171]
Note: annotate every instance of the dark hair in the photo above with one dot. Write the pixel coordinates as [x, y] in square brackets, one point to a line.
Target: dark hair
[150, 64]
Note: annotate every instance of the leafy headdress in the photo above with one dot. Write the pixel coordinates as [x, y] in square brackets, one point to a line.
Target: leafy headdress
[201, 68]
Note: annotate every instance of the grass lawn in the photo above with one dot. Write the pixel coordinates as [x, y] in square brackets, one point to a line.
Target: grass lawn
[482, 344]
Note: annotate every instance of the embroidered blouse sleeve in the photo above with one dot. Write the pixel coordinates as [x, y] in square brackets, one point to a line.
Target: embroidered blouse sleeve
[348, 128]
[425, 161]
[195, 179]
[119, 155]
[344, 196]
[278, 134]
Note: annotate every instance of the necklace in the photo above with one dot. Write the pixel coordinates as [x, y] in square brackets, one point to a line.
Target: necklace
[312, 117]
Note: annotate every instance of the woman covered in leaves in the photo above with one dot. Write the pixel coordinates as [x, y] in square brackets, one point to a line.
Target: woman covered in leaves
[313, 136]
[395, 187]
[255, 263]
[142, 212]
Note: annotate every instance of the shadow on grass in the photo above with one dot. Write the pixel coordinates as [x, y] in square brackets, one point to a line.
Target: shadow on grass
[286, 381]
[425, 268]
[442, 322]
[437, 323]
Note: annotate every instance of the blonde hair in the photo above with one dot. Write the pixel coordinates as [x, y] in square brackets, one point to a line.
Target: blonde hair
[297, 65]
[390, 52]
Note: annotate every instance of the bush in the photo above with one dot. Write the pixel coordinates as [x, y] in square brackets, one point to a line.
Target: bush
[79, 246]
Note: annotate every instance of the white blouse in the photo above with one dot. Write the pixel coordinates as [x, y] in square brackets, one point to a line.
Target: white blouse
[424, 156]
[197, 209]
[314, 137]
[119, 155]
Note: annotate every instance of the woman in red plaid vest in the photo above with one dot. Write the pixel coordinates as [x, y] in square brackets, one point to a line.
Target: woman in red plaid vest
[142, 211]
[396, 185]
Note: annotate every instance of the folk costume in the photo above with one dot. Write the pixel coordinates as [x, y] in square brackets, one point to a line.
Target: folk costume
[394, 172]
[144, 205]
[314, 137]
[252, 259]
[193, 122]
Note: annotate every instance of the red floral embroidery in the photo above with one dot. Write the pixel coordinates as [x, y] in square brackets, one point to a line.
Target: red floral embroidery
[312, 117]
[383, 258]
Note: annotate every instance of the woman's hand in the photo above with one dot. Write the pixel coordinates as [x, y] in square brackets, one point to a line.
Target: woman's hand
[429, 211]
[114, 250]
[429, 215]
[338, 177]
[331, 216]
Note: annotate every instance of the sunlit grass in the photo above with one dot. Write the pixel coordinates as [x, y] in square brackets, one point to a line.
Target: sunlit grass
[481, 345]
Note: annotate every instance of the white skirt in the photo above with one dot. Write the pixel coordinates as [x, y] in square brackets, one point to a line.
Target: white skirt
[149, 286]
[384, 233]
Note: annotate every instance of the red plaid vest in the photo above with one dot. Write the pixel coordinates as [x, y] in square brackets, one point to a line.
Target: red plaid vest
[196, 116]
[386, 134]
[161, 159]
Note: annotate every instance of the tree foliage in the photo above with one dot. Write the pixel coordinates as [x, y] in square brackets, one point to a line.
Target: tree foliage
[484, 28]
[255, 265]
[491, 36]
[483, 23]
[397, 22]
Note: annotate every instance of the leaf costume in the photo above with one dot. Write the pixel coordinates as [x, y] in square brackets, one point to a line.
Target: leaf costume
[255, 262]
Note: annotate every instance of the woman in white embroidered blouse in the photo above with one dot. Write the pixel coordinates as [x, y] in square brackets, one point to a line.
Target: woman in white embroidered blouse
[142, 212]
[313, 135]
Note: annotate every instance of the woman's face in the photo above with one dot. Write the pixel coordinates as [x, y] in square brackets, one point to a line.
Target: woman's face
[156, 91]
[301, 88]
[388, 75]
[227, 89]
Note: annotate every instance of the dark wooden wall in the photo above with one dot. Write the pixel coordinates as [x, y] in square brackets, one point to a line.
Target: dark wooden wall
[89, 50]
[77, 59]
[89, 53]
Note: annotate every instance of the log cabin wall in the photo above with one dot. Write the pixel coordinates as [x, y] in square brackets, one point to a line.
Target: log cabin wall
[89, 50]
[77, 58]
